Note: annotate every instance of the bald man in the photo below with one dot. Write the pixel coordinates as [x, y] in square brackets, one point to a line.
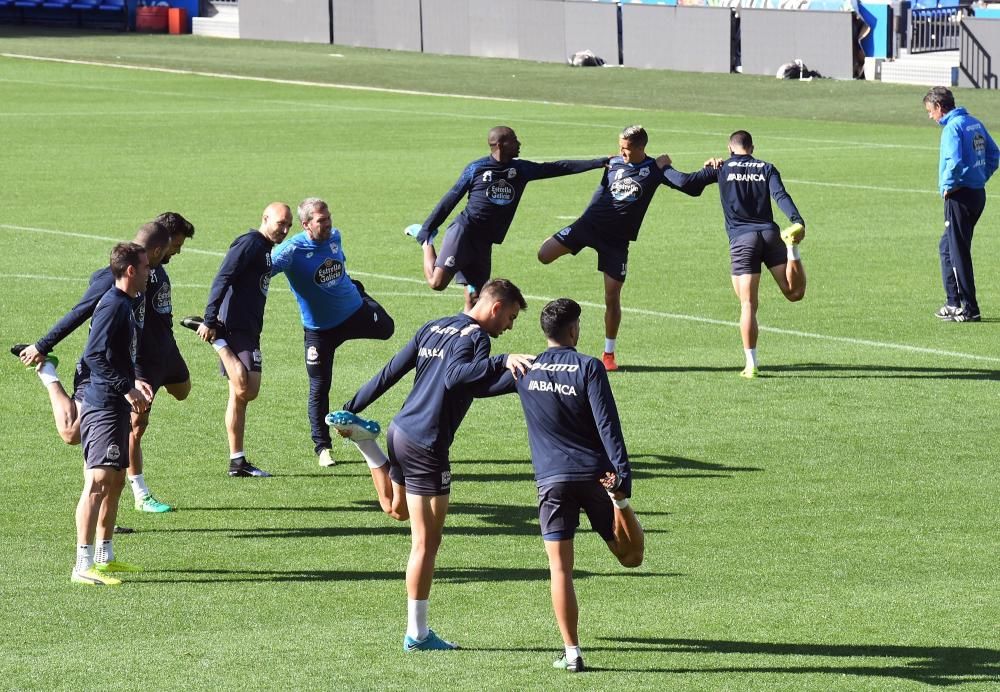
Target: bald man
[234, 319]
[494, 184]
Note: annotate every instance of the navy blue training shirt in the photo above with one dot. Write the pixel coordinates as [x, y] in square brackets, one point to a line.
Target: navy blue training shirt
[451, 355]
[494, 191]
[111, 350]
[157, 324]
[239, 290]
[574, 430]
[746, 186]
[620, 202]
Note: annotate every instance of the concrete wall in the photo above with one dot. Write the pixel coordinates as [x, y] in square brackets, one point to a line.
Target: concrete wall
[979, 53]
[695, 39]
[543, 30]
[390, 24]
[305, 21]
[823, 40]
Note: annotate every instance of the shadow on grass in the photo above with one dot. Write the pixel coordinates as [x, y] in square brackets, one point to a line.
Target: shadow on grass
[931, 665]
[644, 467]
[838, 371]
[451, 575]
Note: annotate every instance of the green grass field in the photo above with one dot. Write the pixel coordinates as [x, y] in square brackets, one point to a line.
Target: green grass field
[832, 525]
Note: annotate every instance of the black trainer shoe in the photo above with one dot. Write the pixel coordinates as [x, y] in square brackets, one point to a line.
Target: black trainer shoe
[123, 529]
[17, 348]
[241, 468]
[947, 312]
[192, 322]
[963, 315]
[570, 666]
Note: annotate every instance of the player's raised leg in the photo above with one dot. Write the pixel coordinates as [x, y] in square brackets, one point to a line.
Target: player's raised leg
[551, 250]
[791, 276]
[746, 287]
[629, 545]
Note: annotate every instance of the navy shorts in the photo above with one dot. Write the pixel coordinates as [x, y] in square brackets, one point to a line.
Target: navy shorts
[468, 258]
[748, 251]
[169, 368]
[559, 506]
[104, 436]
[422, 471]
[246, 346]
[612, 253]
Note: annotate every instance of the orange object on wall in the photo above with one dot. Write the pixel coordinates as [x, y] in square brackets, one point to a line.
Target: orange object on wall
[151, 20]
[177, 20]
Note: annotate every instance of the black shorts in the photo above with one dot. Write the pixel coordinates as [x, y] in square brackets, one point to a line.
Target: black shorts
[246, 346]
[748, 250]
[559, 506]
[104, 436]
[169, 368]
[612, 253]
[421, 470]
[465, 256]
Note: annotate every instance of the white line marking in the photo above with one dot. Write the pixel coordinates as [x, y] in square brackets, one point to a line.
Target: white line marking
[467, 97]
[864, 187]
[636, 311]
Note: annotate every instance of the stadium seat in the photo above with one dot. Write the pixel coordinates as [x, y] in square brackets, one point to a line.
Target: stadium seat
[104, 14]
[9, 14]
[57, 12]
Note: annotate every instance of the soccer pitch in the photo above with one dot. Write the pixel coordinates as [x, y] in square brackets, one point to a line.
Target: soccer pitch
[832, 525]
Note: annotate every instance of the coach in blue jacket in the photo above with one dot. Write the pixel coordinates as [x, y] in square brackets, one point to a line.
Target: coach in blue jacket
[969, 156]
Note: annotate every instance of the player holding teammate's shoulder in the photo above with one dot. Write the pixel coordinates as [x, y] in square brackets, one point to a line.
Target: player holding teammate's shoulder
[451, 357]
[611, 221]
[746, 187]
[494, 185]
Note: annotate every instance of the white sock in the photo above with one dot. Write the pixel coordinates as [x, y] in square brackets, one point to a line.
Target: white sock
[751, 354]
[105, 553]
[572, 653]
[620, 504]
[237, 455]
[416, 625]
[84, 558]
[793, 253]
[219, 344]
[609, 345]
[372, 453]
[139, 488]
[47, 373]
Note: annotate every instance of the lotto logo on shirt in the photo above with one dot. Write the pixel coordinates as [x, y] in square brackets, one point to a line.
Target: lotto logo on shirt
[501, 192]
[328, 272]
[265, 282]
[625, 190]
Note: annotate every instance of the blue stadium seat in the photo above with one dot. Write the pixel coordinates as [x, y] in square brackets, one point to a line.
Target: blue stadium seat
[105, 14]
[8, 13]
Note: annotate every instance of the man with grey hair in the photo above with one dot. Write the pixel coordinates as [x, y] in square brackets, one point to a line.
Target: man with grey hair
[611, 221]
[334, 307]
[494, 184]
[969, 156]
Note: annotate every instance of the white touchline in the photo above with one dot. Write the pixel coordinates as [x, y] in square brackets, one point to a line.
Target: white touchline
[637, 311]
